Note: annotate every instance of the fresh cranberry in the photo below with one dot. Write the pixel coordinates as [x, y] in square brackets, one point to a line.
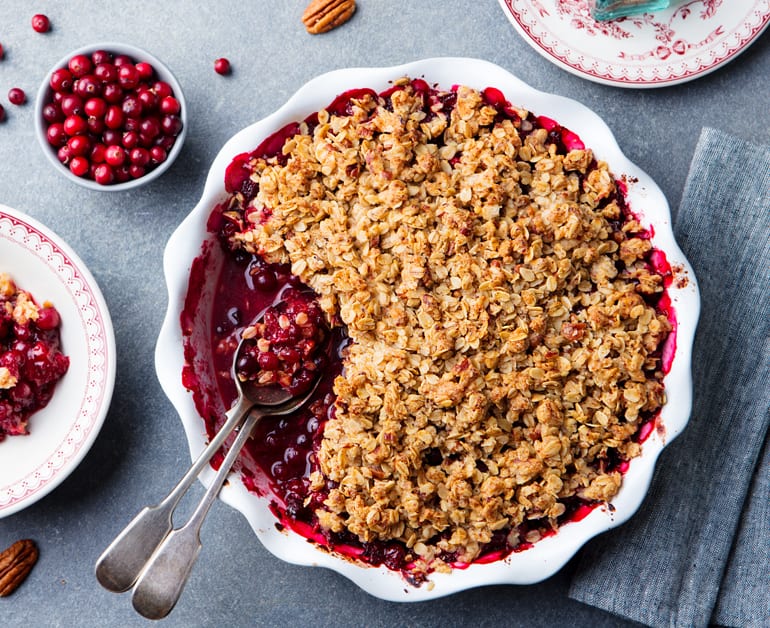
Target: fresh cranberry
[17, 96]
[123, 60]
[52, 113]
[128, 76]
[148, 99]
[157, 155]
[145, 70]
[113, 93]
[132, 106]
[2, 52]
[79, 166]
[170, 106]
[41, 23]
[56, 135]
[2, 113]
[111, 136]
[114, 117]
[95, 107]
[75, 125]
[106, 72]
[96, 125]
[71, 105]
[222, 66]
[122, 174]
[171, 125]
[115, 155]
[80, 65]
[162, 89]
[103, 174]
[132, 124]
[88, 86]
[61, 80]
[64, 154]
[150, 128]
[139, 156]
[165, 142]
[101, 56]
[79, 145]
[98, 152]
[136, 171]
[130, 140]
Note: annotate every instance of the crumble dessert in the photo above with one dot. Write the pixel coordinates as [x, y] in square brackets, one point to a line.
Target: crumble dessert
[500, 317]
[31, 361]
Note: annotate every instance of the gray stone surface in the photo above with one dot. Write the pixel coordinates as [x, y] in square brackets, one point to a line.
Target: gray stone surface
[141, 450]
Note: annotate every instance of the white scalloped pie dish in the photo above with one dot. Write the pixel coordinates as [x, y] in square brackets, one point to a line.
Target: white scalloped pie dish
[645, 199]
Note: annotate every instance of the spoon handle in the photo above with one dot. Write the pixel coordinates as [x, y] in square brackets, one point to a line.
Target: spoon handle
[164, 577]
[121, 563]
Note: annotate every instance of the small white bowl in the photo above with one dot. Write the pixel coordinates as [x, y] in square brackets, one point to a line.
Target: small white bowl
[192, 239]
[163, 74]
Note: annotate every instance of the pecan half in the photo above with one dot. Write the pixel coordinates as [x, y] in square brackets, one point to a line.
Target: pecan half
[15, 564]
[321, 16]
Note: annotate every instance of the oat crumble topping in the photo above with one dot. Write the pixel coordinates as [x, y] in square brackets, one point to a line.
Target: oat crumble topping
[505, 345]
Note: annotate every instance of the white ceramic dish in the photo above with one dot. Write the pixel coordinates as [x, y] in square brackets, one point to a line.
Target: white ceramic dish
[645, 198]
[686, 41]
[161, 71]
[61, 433]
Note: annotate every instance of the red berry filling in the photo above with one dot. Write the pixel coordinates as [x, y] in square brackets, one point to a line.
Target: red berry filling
[285, 450]
[287, 347]
[31, 361]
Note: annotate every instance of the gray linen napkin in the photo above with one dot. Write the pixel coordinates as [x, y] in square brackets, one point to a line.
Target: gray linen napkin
[698, 550]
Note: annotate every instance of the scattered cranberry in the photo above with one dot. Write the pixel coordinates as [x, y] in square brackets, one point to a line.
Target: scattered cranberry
[114, 112]
[41, 23]
[2, 52]
[17, 96]
[222, 66]
[2, 113]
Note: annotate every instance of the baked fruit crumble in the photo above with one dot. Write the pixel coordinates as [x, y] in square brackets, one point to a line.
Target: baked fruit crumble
[31, 361]
[496, 313]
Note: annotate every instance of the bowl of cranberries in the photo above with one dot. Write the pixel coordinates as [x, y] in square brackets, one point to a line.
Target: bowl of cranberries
[111, 117]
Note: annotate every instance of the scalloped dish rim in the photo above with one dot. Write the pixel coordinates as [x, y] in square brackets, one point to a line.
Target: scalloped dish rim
[549, 555]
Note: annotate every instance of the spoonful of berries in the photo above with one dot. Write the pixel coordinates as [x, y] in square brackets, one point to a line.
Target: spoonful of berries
[277, 364]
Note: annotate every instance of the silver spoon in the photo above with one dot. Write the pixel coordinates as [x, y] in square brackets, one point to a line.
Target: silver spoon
[158, 558]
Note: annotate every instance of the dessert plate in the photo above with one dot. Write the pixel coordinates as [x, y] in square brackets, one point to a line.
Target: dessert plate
[675, 45]
[61, 433]
[192, 240]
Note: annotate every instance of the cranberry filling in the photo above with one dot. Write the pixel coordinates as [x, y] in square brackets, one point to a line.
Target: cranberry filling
[287, 347]
[31, 361]
[283, 450]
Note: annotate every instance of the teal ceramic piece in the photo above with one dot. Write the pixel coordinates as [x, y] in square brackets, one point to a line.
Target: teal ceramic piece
[611, 9]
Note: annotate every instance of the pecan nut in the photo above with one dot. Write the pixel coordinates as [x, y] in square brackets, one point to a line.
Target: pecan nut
[321, 16]
[16, 562]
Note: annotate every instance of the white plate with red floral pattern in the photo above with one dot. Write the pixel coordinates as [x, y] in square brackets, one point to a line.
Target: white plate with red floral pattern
[61, 433]
[689, 39]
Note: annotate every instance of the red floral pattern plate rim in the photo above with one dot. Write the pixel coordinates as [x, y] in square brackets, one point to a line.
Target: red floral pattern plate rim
[679, 44]
[61, 433]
